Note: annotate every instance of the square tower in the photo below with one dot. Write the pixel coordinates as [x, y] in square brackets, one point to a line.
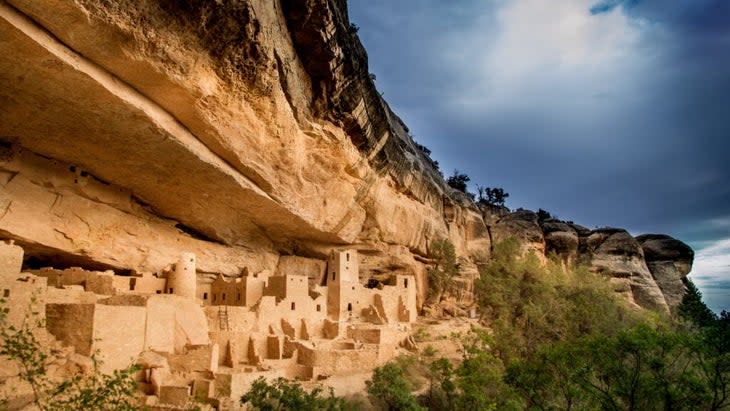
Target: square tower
[343, 282]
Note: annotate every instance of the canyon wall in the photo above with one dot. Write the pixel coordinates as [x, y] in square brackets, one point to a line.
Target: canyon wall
[241, 131]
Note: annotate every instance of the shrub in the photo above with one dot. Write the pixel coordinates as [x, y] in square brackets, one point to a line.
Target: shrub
[458, 181]
[390, 389]
[285, 395]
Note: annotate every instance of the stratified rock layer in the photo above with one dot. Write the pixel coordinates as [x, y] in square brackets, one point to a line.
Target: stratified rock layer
[240, 131]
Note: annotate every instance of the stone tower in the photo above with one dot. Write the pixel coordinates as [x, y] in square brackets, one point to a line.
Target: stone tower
[342, 283]
[182, 281]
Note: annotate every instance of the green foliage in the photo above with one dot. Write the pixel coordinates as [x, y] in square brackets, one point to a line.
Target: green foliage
[543, 215]
[458, 181]
[569, 343]
[95, 391]
[429, 351]
[640, 368]
[282, 395]
[530, 304]
[479, 376]
[441, 275]
[390, 389]
[492, 196]
[693, 309]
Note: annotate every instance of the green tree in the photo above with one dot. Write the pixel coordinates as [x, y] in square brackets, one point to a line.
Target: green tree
[442, 386]
[529, 303]
[712, 352]
[543, 215]
[479, 377]
[458, 181]
[492, 196]
[441, 274]
[390, 389]
[640, 368]
[693, 309]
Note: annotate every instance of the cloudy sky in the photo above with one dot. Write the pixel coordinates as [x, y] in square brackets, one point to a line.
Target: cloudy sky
[607, 113]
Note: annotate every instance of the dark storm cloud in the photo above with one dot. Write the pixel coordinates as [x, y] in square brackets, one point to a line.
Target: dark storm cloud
[605, 113]
[703, 16]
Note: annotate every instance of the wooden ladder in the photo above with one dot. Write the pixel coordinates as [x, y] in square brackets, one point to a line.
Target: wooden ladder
[223, 317]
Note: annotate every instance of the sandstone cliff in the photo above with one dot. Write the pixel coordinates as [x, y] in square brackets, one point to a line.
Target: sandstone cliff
[649, 269]
[241, 131]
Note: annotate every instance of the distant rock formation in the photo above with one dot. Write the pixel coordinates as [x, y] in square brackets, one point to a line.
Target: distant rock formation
[669, 261]
[648, 269]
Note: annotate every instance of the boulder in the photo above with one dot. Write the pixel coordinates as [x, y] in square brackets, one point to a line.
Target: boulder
[615, 253]
[669, 261]
[524, 227]
[560, 238]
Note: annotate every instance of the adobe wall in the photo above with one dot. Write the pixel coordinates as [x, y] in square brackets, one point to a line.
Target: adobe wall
[146, 284]
[11, 259]
[119, 335]
[98, 282]
[232, 336]
[194, 359]
[232, 293]
[329, 361]
[311, 268]
[174, 322]
[72, 324]
[292, 310]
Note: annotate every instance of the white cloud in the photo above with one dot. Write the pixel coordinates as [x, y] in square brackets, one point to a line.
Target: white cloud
[711, 273]
[537, 50]
[713, 261]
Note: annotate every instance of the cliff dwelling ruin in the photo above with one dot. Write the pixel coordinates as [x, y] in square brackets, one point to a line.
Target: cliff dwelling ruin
[208, 340]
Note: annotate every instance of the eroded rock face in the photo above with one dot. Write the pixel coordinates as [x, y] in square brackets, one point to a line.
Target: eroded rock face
[616, 253]
[523, 226]
[239, 131]
[669, 261]
[647, 269]
[561, 239]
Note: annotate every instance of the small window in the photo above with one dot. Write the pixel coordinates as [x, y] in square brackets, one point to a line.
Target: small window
[319, 308]
[170, 291]
[214, 296]
[205, 296]
[348, 256]
[223, 297]
[132, 283]
[6, 293]
[405, 282]
[349, 306]
[239, 296]
[159, 291]
[333, 276]
[353, 287]
[293, 306]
